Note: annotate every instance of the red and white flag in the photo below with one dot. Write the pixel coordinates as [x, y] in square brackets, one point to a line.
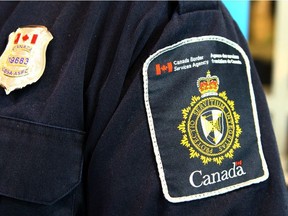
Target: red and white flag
[165, 68]
[23, 38]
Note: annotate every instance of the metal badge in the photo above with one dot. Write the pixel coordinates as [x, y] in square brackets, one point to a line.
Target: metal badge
[24, 59]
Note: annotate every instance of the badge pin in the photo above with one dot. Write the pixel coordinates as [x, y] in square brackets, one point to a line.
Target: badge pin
[24, 58]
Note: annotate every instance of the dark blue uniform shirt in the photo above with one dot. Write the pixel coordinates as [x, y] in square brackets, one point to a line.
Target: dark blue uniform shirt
[77, 142]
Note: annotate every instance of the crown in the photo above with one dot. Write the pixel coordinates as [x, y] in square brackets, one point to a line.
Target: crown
[208, 85]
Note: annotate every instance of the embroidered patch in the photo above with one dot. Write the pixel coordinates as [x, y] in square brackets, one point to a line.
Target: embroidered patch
[203, 119]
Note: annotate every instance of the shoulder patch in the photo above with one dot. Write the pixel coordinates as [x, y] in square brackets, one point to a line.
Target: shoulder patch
[203, 118]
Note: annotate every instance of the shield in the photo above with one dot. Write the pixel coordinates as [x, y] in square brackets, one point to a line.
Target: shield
[212, 123]
[24, 59]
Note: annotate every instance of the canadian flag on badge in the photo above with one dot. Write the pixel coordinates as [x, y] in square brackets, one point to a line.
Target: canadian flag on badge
[26, 38]
[165, 68]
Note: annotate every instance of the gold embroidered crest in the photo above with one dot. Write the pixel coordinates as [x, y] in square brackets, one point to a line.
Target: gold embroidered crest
[24, 59]
[210, 125]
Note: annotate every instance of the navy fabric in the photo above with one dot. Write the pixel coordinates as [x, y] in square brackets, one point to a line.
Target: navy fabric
[37, 158]
[89, 104]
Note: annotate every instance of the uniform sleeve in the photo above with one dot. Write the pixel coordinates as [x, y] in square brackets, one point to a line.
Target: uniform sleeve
[137, 159]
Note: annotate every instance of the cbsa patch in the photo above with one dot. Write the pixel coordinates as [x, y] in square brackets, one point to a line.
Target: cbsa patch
[203, 118]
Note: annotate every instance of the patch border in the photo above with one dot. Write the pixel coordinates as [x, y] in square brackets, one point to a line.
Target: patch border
[152, 129]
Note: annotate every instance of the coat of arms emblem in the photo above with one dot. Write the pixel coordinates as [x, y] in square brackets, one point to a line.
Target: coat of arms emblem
[210, 126]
